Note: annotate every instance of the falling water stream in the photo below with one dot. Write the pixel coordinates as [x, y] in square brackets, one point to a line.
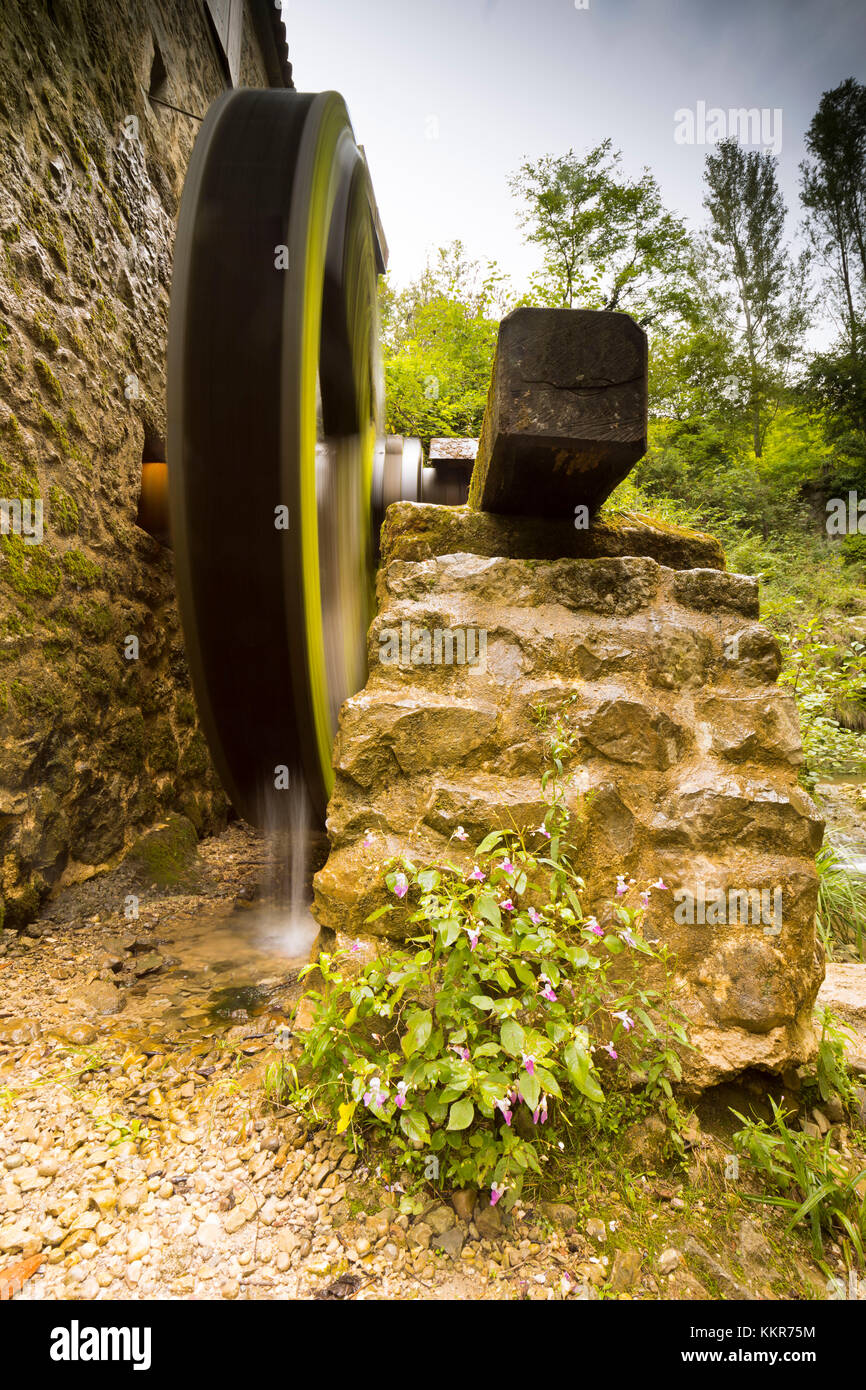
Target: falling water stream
[232, 964]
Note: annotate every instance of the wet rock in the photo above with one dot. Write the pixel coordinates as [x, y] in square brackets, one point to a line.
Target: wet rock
[100, 999]
[148, 964]
[16, 1031]
[166, 855]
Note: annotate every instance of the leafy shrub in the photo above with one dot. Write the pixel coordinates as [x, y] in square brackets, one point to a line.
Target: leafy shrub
[511, 1027]
[807, 1177]
[841, 912]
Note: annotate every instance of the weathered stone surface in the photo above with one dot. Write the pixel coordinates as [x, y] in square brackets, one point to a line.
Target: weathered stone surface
[92, 739]
[418, 531]
[566, 414]
[685, 766]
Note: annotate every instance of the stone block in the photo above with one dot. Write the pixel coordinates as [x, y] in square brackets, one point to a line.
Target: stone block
[566, 415]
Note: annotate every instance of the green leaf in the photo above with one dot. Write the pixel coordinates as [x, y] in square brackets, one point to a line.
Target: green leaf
[380, 912]
[488, 908]
[490, 842]
[462, 1114]
[580, 1071]
[419, 1026]
[613, 944]
[512, 1037]
[482, 1001]
[449, 931]
[414, 1125]
[530, 1089]
[429, 879]
[345, 1116]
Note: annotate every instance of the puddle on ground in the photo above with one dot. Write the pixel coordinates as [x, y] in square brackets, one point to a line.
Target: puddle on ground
[221, 970]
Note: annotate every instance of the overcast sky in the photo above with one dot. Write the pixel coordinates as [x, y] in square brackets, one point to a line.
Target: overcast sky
[448, 97]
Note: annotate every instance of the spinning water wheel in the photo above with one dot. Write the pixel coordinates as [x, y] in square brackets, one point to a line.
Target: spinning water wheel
[278, 473]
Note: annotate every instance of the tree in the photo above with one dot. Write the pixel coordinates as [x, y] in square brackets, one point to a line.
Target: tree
[833, 192]
[767, 311]
[607, 242]
[439, 336]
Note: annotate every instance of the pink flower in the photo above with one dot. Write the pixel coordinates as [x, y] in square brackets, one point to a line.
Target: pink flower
[355, 946]
[507, 866]
[659, 884]
[543, 830]
[401, 885]
[460, 834]
[505, 1107]
[593, 926]
[368, 839]
[627, 1023]
[547, 991]
[621, 885]
[528, 1062]
[473, 938]
[495, 1193]
[627, 937]
[644, 899]
[540, 1112]
[609, 1047]
[476, 876]
[534, 917]
[507, 905]
[461, 1051]
[400, 1098]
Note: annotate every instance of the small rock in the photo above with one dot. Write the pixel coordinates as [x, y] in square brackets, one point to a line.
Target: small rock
[626, 1270]
[596, 1229]
[440, 1219]
[451, 1241]
[463, 1203]
[489, 1222]
[669, 1260]
[139, 1244]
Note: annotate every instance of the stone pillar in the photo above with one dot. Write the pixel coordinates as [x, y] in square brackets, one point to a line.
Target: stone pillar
[686, 764]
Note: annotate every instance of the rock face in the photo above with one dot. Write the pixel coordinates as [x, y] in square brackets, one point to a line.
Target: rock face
[98, 735]
[685, 767]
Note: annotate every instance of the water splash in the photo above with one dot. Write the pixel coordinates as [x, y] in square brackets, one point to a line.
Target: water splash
[284, 920]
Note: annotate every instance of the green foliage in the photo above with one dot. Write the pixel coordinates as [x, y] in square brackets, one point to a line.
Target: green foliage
[439, 336]
[841, 913]
[806, 1176]
[607, 241]
[516, 1025]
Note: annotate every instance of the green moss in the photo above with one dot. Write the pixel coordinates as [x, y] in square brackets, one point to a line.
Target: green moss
[61, 434]
[94, 620]
[4, 705]
[184, 709]
[166, 854]
[196, 759]
[48, 379]
[30, 570]
[11, 233]
[44, 333]
[80, 570]
[62, 511]
[4, 342]
[79, 151]
[104, 314]
[11, 427]
[72, 421]
[162, 754]
[125, 742]
[47, 696]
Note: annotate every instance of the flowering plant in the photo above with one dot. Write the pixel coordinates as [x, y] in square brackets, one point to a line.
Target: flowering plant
[508, 1026]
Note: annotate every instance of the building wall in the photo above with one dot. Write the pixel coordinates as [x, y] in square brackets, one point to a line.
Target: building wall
[95, 744]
